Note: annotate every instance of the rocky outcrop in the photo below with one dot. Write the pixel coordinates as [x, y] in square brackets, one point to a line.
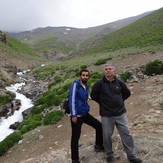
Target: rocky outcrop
[15, 125]
[3, 37]
[34, 89]
[7, 73]
[8, 109]
[26, 112]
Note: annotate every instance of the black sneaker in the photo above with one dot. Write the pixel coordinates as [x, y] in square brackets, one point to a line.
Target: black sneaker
[99, 148]
[135, 160]
[75, 161]
[110, 159]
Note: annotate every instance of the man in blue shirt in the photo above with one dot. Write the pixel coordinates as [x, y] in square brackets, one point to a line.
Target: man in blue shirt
[79, 111]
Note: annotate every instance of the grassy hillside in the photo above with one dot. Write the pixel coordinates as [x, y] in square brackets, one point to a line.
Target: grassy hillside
[53, 43]
[68, 39]
[144, 32]
[18, 48]
[18, 53]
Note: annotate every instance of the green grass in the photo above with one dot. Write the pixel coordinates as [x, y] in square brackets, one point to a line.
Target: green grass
[53, 43]
[20, 47]
[147, 31]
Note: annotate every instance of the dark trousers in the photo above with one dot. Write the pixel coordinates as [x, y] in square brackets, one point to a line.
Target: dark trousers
[76, 131]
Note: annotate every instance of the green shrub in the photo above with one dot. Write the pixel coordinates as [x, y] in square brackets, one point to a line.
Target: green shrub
[83, 67]
[9, 141]
[53, 117]
[124, 76]
[96, 75]
[38, 110]
[15, 137]
[51, 85]
[100, 62]
[66, 86]
[4, 99]
[60, 91]
[91, 81]
[30, 123]
[30, 126]
[58, 79]
[3, 147]
[154, 67]
[24, 130]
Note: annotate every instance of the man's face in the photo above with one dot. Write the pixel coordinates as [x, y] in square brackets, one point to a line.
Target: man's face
[109, 71]
[84, 77]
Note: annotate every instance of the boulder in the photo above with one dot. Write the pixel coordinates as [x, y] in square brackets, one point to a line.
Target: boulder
[14, 126]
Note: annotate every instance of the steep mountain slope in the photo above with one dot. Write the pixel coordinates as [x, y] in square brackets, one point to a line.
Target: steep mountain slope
[67, 39]
[14, 50]
[15, 55]
[143, 32]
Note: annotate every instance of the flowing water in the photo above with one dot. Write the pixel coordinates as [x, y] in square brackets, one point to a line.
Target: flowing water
[17, 116]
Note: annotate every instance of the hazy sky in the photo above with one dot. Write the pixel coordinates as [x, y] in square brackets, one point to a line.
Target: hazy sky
[22, 15]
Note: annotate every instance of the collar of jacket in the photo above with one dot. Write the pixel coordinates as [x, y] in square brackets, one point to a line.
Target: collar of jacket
[106, 80]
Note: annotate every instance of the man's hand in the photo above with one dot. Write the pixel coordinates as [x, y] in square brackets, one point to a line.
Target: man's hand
[74, 119]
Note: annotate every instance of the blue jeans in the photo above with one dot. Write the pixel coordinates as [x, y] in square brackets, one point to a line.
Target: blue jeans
[76, 131]
[108, 124]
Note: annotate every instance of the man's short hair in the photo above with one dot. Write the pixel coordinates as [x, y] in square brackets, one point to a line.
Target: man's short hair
[109, 65]
[84, 70]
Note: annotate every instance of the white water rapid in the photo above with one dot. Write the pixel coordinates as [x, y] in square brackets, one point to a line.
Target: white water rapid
[17, 116]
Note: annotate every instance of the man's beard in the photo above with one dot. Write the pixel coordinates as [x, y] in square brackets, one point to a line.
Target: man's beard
[84, 81]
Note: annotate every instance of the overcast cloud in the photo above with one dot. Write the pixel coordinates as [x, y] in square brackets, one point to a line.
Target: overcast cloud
[22, 15]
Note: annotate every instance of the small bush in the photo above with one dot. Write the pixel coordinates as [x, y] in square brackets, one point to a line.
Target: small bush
[96, 75]
[83, 67]
[9, 141]
[30, 123]
[91, 81]
[53, 117]
[154, 67]
[4, 99]
[60, 91]
[3, 148]
[51, 85]
[100, 62]
[24, 130]
[38, 110]
[124, 76]
[58, 79]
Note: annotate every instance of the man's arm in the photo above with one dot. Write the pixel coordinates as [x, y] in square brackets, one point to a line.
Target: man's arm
[125, 91]
[73, 99]
[96, 89]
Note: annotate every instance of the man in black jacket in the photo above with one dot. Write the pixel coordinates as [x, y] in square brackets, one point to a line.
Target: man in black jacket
[110, 93]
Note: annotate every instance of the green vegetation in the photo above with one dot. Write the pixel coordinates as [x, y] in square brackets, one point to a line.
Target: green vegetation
[53, 44]
[154, 68]
[101, 61]
[30, 122]
[53, 117]
[5, 98]
[9, 141]
[124, 76]
[144, 32]
[21, 48]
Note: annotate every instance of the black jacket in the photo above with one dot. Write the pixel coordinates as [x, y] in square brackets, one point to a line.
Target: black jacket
[110, 96]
